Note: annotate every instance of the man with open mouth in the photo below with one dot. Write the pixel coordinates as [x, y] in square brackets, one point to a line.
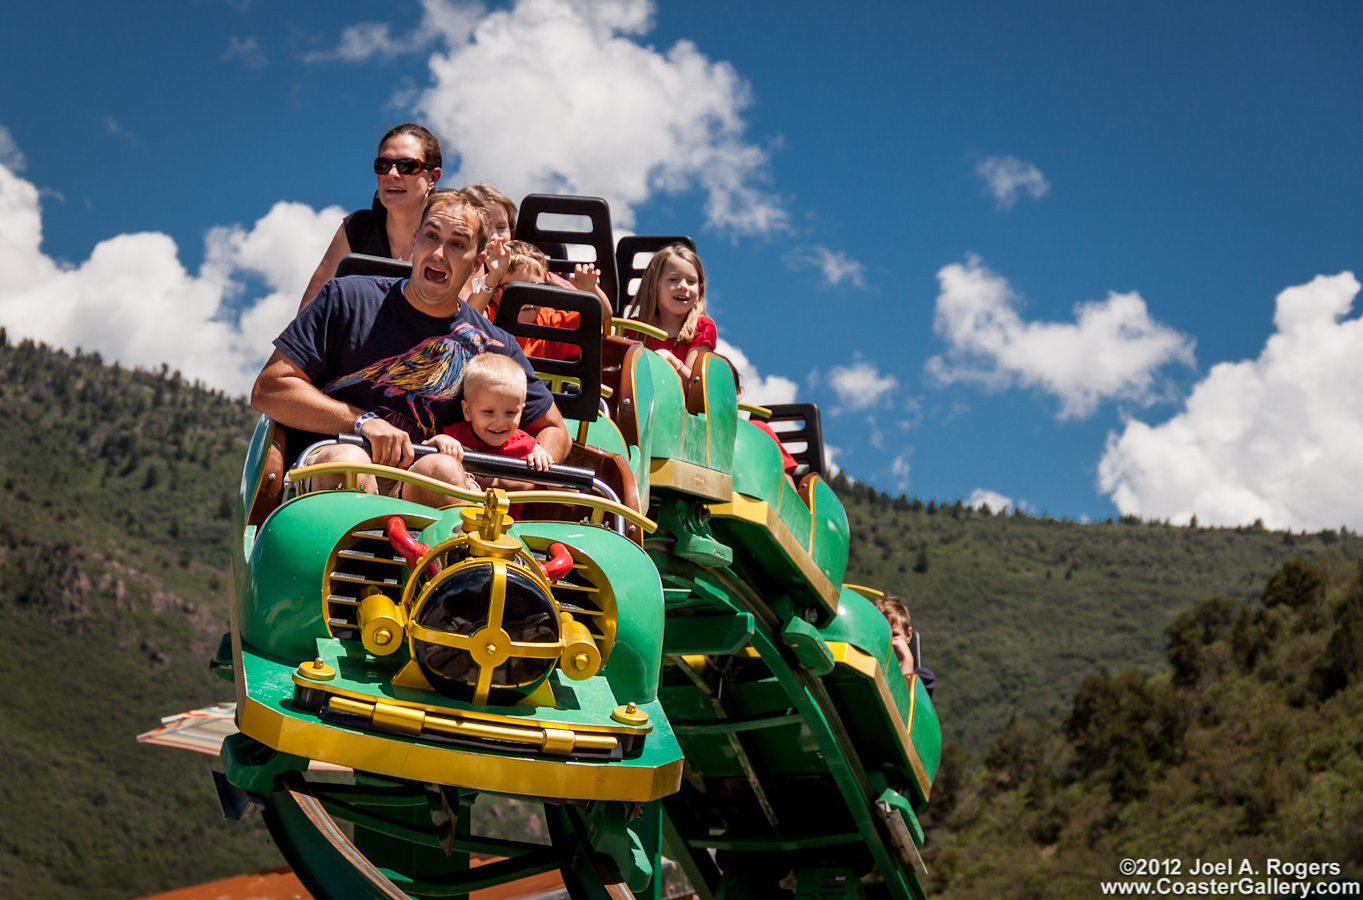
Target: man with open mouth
[384, 358]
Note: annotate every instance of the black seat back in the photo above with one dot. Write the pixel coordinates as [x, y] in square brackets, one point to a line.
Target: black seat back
[629, 274]
[552, 241]
[360, 264]
[584, 404]
[809, 433]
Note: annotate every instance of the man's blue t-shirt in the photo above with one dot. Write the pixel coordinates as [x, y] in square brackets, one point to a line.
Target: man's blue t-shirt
[361, 342]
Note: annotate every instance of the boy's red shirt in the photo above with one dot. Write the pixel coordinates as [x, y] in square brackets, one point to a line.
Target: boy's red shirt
[518, 446]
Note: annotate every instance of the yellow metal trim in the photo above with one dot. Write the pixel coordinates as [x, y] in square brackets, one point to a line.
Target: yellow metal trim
[411, 722]
[451, 765]
[620, 325]
[753, 409]
[595, 503]
[759, 512]
[869, 593]
[865, 664]
[495, 655]
[432, 708]
[690, 478]
[470, 497]
[354, 468]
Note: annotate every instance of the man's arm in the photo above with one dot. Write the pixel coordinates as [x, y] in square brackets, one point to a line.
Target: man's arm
[285, 393]
[552, 433]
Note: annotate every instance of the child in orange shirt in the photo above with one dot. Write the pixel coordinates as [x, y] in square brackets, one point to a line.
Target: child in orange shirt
[528, 263]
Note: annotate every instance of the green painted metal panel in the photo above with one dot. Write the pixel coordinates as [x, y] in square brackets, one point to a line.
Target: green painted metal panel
[695, 444]
[645, 403]
[830, 533]
[721, 405]
[760, 560]
[927, 732]
[808, 646]
[860, 624]
[632, 668]
[719, 635]
[757, 464]
[796, 515]
[669, 407]
[280, 607]
[601, 433]
[270, 682]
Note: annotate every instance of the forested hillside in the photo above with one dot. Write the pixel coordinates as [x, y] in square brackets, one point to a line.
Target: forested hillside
[1249, 745]
[115, 511]
[1014, 610]
[116, 491]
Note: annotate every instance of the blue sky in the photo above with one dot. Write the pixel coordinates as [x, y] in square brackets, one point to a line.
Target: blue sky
[1175, 166]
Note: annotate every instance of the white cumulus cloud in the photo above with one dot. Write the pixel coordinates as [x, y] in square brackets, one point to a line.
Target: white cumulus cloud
[1277, 438]
[1006, 176]
[133, 301]
[603, 113]
[835, 265]
[861, 385]
[11, 157]
[758, 389]
[1113, 350]
[992, 499]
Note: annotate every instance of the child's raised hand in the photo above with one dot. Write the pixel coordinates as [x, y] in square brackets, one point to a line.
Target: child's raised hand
[496, 260]
[449, 446]
[670, 357]
[539, 458]
[585, 276]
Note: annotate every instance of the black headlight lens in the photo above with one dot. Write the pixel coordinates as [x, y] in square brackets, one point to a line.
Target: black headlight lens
[460, 604]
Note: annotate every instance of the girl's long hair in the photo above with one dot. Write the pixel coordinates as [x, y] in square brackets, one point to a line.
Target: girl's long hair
[647, 296]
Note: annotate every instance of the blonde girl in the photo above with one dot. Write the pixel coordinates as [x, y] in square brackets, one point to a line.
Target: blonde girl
[672, 297]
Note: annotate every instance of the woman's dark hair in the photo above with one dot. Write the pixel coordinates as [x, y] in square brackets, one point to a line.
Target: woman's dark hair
[430, 144]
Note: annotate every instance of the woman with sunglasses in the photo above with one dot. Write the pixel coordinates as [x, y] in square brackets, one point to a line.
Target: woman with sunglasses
[408, 168]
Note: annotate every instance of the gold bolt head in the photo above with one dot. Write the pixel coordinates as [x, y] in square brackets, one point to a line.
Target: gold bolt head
[382, 637]
[491, 649]
[316, 670]
[580, 662]
[630, 707]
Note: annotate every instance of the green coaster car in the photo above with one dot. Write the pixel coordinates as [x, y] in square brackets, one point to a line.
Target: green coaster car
[668, 659]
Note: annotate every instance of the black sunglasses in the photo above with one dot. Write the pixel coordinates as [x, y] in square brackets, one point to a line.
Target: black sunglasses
[406, 165]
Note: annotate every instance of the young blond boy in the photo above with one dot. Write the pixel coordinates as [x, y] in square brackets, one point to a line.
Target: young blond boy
[493, 400]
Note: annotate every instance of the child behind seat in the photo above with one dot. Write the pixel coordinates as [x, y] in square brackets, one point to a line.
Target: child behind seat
[672, 297]
[896, 612]
[528, 263]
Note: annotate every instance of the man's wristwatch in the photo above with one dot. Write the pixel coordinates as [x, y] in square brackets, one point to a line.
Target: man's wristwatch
[364, 417]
